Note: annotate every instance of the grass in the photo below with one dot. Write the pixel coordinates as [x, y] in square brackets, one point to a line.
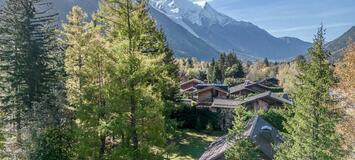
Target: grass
[191, 144]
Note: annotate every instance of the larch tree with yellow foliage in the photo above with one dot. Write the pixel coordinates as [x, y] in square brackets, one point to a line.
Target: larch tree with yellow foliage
[345, 71]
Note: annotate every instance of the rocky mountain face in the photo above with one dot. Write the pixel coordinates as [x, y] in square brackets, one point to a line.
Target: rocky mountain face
[224, 33]
[183, 43]
[196, 29]
[338, 45]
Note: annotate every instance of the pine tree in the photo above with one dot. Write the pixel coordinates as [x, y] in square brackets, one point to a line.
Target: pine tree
[222, 66]
[127, 81]
[14, 53]
[241, 147]
[136, 73]
[231, 59]
[2, 138]
[311, 131]
[190, 63]
[31, 71]
[88, 64]
[266, 62]
[76, 35]
[211, 76]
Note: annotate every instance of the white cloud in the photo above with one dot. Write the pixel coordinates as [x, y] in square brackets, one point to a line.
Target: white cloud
[308, 27]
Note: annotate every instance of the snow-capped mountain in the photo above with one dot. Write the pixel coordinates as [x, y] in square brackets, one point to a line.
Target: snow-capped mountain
[183, 42]
[224, 33]
[184, 10]
[195, 29]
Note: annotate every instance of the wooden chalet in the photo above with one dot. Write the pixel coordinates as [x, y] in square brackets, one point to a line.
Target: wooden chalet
[262, 134]
[225, 103]
[265, 101]
[270, 82]
[190, 85]
[260, 101]
[248, 87]
[206, 93]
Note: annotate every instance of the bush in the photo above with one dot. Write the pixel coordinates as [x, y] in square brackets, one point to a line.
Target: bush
[190, 117]
[243, 149]
[276, 117]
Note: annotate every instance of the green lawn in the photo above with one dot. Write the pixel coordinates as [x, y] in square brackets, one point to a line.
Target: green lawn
[191, 144]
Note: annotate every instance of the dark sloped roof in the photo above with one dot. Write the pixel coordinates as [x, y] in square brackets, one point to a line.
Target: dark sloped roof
[216, 149]
[269, 79]
[192, 80]
[231, 104]
[191, 89]
[221, 87]
[237, 88]
[225, 103]
[245, 86]
[258, 130]
[267, 94]
[240, 87]
[263, 135]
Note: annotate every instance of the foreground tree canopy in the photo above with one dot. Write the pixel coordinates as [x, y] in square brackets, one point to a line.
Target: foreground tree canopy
[120, 81]
[106, 87]
[311, 130]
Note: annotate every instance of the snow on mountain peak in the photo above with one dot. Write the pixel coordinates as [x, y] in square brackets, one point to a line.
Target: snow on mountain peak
[202, 3]
[194, 11]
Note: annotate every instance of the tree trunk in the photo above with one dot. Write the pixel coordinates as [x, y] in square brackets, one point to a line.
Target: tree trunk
[134, 128]
[102, 147]
[18, 128]
[133, 105]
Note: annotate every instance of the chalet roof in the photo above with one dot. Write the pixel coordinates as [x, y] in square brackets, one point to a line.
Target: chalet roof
[190, 89]
[192, 80]
[258, 130]
[263, 135]
[244, 86]
[219, 87]
[225, 103]
[269, 95]
[237, 88]
[231, 104]
[216, 149]
[269, 80]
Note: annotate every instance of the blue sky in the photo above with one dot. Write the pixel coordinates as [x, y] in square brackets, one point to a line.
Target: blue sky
[296, 18]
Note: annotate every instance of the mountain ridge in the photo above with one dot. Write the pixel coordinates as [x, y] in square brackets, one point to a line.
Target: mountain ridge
[224, 33]
[338, 45]
[196, 29]
[182, 43]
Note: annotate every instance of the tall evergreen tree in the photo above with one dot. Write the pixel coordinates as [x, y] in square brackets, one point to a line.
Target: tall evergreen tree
[15, 48]
[231, 59]
[76, 33]
[31, 69]
[142, 76]
[2, 139]
[121, 79]
[241, 147]
[211, 76]
[311, 131]
[266, 62]
[222, 66]
[88, 64]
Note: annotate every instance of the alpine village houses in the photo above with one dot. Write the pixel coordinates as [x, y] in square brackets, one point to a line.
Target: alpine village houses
[253, 95]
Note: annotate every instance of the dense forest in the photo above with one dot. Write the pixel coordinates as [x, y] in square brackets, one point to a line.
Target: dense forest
[106, 86]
